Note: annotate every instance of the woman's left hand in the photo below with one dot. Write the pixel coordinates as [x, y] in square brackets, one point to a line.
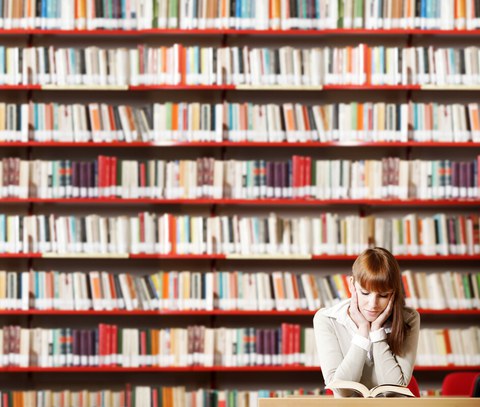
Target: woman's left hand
[378, 323]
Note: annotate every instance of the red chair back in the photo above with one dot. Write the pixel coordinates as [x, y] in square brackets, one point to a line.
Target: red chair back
[413, 387]
[459, 384]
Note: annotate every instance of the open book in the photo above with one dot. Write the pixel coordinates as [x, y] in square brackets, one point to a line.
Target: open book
[382, 390]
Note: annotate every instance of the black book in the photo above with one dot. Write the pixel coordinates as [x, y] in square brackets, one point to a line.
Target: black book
[311, 119]
[461, 55]
[301, 291]
[118, 288]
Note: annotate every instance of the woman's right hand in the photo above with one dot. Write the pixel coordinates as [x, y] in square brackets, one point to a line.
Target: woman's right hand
[362, 324]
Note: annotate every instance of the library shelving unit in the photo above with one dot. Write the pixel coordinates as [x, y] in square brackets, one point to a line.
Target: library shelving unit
[257, 149]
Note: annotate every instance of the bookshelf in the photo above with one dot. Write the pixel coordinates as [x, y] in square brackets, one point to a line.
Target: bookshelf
[137, 150]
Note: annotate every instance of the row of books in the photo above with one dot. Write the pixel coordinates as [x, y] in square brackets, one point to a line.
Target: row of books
[283, 66]
[440, 347]
[445, 290]
[112, 345]
[289, 344]
[241, 14]
[219, 290]
[143, 396]
[299, 177]
[327, 233]
[240, 122]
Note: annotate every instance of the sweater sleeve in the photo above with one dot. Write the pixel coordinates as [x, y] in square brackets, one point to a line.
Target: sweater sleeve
[395, 369]
[332, 362]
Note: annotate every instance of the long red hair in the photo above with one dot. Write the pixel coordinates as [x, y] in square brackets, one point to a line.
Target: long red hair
[377, 270]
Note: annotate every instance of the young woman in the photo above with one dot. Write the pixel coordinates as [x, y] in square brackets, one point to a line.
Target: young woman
[372, 337]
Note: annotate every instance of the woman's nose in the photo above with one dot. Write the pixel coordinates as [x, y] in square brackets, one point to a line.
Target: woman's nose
[373, 302]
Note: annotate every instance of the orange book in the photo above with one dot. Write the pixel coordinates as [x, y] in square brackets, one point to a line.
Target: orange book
[289, 117]
[95, 283]
[154, 344]
[349, 61]
[131, 121]
[360, 117]
[306, 119]
[95, 117]
[112, 287]
[182, 58]
[81, 9]
[175, 116]
[172, 232]
[368, 65]
[420, 232]
[111, 117]
[345, 284]
[131, 287]
[166, 285]
[49, 116]
[448, 344]
[296, 292]
[408, 232]
[473, 114]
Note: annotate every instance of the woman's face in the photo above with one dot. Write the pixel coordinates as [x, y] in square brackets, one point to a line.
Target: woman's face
[370, 303]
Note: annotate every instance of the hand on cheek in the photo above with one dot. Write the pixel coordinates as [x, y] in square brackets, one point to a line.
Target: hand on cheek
[357, 317]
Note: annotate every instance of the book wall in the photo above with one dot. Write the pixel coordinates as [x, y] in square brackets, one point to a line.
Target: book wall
[88, 229]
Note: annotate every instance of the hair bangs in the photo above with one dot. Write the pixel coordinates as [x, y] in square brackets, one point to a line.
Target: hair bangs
[374, 276]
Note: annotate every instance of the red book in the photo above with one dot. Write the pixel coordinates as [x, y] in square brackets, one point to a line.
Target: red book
[296, 344]
[284, 349]
[101, 344]
[172, 232]
[155, 397]
[107, 347]
[113, 175]
[301, 175]
[290, 344]
[308, 175]
[101, 175]
[106, 174]
[114, 341]
[129, 395]
[143, 179]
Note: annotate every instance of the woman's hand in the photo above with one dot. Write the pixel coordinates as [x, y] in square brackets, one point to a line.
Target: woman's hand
[357, 317]
[378, 323]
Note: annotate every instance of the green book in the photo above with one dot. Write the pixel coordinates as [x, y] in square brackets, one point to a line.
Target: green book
[466, 286]
[340, 13]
